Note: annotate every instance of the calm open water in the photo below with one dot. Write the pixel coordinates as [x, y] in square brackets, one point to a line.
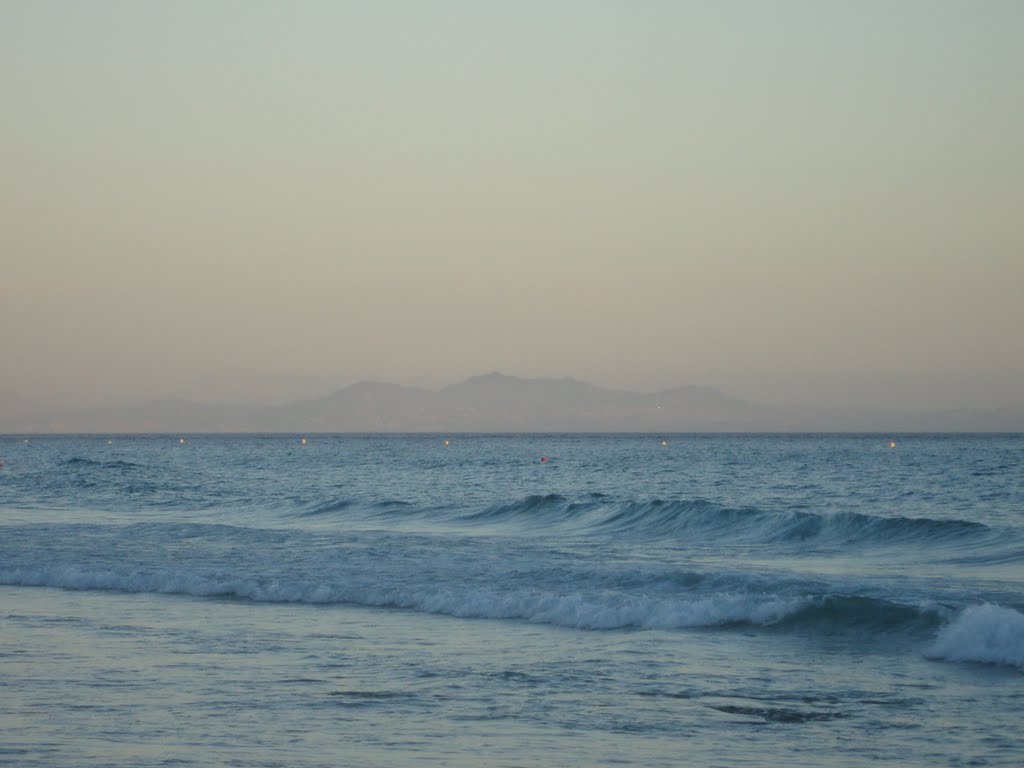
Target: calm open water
[767, 600]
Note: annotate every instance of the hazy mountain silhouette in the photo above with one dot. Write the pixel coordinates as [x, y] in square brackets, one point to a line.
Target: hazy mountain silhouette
[498, 403]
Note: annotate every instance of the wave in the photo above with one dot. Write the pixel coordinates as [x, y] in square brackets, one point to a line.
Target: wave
[347, 509]
[532, 510]
[777, 714]
[81, 462]
[695, 521]
[988, 634]
[328, 507]
[837, 613]
[705, 520]
[578, 610]
[586, 609]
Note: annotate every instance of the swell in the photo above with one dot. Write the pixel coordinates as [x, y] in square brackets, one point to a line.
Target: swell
[346, 510]
[531, 510]
[80, 462]
[702, 520]
[842, 613]
[327, 508]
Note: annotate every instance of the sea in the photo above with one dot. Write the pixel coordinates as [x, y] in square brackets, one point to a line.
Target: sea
[512, 600]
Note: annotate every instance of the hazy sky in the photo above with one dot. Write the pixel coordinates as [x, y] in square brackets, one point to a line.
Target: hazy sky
[813, 201]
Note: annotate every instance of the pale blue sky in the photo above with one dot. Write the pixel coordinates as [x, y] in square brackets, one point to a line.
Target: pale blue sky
[804, 201]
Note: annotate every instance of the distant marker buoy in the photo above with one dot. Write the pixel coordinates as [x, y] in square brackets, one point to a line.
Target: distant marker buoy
[446, 442]
[892, 443]
[543, 459]
[664, 442]
[181, 440]
[303, 441]
[110, 442]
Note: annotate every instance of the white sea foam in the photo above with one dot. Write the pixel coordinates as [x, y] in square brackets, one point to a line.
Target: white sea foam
[612, 611]
[599, 610]
[983, 633]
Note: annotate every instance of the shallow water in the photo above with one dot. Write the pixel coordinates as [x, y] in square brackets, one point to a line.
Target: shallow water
[389, 600]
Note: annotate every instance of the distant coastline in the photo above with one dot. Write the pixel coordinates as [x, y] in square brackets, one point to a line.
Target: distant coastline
[498, 403]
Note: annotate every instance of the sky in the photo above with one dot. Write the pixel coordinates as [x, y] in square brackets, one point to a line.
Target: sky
[794, 201]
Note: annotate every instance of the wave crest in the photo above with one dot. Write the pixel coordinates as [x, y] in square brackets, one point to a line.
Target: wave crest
[989, 634]
[574, 607]
[705, 520]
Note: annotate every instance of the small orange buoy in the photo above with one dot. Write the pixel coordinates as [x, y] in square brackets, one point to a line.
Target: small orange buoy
[892, 443]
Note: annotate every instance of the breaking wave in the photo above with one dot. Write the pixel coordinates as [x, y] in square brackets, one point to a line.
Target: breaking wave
[988, 634]
[709, 521]
[568, 602]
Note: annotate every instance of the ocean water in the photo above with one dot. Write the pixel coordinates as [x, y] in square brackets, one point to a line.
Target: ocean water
[512, 600]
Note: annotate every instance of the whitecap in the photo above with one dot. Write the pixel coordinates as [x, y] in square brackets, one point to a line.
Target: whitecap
[986, 633]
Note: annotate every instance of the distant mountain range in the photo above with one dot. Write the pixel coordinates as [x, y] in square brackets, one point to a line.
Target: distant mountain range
[498, 403]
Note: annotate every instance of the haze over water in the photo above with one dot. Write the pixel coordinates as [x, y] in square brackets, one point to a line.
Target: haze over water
[257, 201]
